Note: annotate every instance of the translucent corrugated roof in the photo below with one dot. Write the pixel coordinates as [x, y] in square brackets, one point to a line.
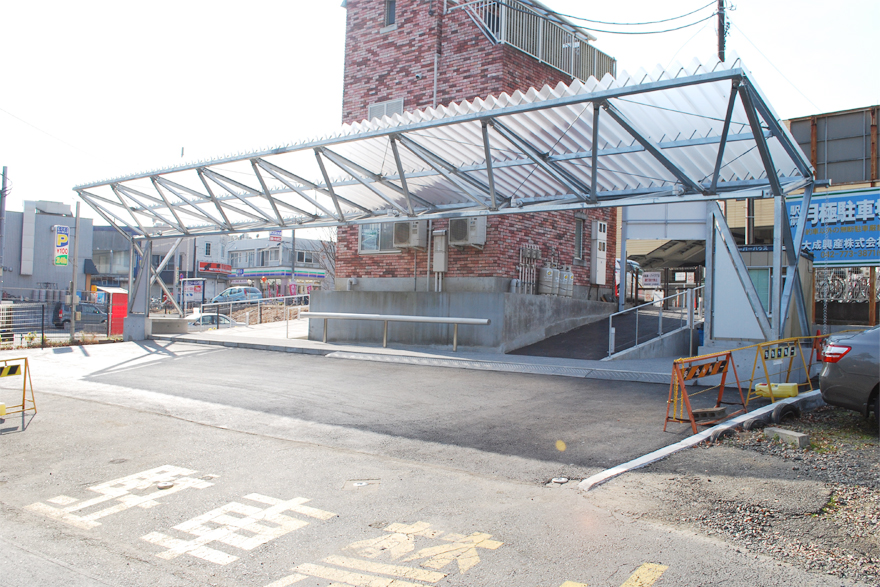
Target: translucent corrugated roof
[657, 139]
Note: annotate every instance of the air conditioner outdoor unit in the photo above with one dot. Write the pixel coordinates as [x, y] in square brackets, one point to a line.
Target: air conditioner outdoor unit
[412, 233]
[467, 231]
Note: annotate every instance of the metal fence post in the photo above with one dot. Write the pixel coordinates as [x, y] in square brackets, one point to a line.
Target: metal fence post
[610, 336]
[660, 321]
[43, 326]
[637, 325]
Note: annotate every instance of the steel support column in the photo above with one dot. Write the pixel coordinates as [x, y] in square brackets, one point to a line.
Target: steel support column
[654, 150]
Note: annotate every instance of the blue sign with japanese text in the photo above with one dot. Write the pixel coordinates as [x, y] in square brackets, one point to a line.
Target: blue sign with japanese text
[843, 228]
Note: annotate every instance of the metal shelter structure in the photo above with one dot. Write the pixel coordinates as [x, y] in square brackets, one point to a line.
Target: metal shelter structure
[693, 133]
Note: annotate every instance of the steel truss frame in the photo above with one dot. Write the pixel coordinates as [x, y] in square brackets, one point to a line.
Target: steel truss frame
[424, 179]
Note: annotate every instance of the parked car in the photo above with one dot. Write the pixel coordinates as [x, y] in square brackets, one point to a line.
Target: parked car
[237, 294]
[207, 321]
[89, 314]
[851, 376]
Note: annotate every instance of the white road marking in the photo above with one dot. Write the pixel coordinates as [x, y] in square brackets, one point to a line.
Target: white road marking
[219, 526]
[121, 491]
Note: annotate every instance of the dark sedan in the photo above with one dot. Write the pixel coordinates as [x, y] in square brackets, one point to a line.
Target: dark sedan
[851, 376]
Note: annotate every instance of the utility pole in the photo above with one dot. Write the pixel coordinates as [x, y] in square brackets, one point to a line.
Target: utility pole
[73, 300]
[2, 227]
[722, 29]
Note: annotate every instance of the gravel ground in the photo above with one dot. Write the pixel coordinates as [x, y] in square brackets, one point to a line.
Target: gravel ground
[843, 537]
[270, 314]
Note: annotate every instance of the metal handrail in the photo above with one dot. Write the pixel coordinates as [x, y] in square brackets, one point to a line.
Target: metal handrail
[659, 303]
[218, 307]
[519, 25]
[386, 318]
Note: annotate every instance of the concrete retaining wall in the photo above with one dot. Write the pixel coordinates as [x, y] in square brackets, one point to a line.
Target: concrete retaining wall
[674, 344]
[516, 320]
[169, 326]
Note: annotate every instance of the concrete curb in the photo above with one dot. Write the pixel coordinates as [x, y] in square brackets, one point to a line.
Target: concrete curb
[806, 401]
[245, 345]
[479, 365]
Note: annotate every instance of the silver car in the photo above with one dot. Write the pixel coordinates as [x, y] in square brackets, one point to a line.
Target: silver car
[851, 376]
[209, 321]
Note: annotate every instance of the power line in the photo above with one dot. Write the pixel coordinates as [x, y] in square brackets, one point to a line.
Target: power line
[684, 26]
[45, 133]
[545, 17]
[636, 23]
[774, 67]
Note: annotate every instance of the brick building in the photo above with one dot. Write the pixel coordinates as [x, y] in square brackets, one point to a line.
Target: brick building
[412, 54]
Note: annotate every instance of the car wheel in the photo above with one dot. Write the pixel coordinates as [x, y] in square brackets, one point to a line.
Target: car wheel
[877, 410]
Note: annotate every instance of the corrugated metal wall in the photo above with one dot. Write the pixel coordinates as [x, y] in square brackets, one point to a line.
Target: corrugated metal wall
[841, 145]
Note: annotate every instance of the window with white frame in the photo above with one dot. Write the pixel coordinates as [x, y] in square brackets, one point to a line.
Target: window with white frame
[305, 257]
[390, 13]
[237, 259]
[578, 238]
[377, 238]
[207, 249]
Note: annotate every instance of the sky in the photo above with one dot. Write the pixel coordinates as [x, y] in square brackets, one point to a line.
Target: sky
[92, 90]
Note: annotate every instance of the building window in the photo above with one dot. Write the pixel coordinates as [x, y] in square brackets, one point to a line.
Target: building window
[207, 249]
[377, 238]
[389, 108]
[305, 257]
[237, 259]
[578, 238]
[390, 12]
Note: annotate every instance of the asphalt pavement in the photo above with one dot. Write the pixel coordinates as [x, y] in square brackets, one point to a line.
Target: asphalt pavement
[178, 464]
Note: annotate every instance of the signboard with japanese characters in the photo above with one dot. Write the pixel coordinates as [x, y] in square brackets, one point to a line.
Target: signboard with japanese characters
[651, 279]
[62, 244]
[275, 236]
[843, 228]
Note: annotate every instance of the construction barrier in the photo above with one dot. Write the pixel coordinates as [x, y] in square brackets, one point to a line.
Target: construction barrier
[777, 357]
[684, 370]
[19, 367]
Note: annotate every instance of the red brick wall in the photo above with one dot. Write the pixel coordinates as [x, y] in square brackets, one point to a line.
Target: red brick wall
[383, 66]
[553, 232]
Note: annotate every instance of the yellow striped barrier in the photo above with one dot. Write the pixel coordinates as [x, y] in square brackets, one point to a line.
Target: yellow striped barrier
[19, 367]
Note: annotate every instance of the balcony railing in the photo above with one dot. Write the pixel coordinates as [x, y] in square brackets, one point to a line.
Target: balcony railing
[518, 24]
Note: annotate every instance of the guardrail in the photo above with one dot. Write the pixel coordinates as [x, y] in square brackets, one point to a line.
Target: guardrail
[681, 304]
[386, 318]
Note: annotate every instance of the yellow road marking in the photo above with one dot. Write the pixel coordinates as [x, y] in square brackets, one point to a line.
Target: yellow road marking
[348, 578]
[289, 580]
[573, 584]
[645, 575]
[394, 570]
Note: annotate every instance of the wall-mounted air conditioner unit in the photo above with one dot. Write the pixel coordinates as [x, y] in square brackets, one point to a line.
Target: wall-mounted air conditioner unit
[411, 234]
[467, 231]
